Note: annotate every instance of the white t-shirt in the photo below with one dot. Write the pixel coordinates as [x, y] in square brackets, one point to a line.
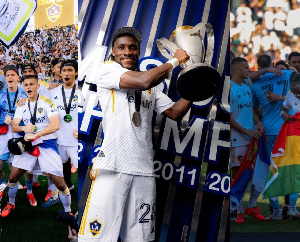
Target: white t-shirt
[45, 109]
[65, 133]
[292, 102]
[126, 148]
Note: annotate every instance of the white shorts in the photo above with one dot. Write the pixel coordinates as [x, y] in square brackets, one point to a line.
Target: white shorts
[68, 151]
[49, 162]
[237, 155]
[119, 205]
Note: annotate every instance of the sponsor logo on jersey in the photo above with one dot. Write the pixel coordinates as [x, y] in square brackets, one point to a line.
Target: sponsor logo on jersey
[245, 105]
[40, 110]
[95, 227]
[149, 91]
[56, 97]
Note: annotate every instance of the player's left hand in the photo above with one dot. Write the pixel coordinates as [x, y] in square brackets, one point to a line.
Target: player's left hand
[28, 137]
[8, 120]
[260, 127]
[75, 133]
[21, 102]
[276, 71]
[272, 97]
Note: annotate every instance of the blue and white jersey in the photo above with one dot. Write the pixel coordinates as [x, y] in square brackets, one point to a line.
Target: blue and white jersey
[241, 111]
[4, 106]
[271, 113]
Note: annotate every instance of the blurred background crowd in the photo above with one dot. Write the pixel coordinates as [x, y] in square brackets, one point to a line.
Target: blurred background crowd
[269, 27]
[40, 48]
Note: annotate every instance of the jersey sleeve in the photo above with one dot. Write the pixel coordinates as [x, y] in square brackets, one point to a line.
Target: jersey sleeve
[19, 111]
[162, 101]
[109, 75]
[287, 102]
[50, 107]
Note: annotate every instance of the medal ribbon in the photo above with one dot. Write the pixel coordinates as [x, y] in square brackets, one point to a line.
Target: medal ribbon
[138, 98]
[33, 117]
[10, 109]
[67, 108]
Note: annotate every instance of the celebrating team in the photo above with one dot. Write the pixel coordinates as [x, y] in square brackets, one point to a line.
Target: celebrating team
[273, 92]
[38, 132]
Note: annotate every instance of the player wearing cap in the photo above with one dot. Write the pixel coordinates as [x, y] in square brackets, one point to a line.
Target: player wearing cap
[9, 98]
[29, 69]
[41, 120]
[122, 196]
[56, 76]
[65, 98]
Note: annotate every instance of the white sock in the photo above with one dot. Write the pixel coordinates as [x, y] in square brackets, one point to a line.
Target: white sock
[65, 198]
[54, 190]
[12, 192]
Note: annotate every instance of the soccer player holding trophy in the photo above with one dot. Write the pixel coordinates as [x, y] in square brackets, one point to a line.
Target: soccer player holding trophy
[124, 178]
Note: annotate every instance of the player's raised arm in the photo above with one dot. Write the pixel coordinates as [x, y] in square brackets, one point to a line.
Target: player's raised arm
[147, 79]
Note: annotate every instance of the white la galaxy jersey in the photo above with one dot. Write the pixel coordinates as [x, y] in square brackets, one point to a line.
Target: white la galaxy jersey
[45, 109]
[65, 133]
[126, 148]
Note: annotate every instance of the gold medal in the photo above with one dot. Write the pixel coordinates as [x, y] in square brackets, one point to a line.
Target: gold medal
[136, 119]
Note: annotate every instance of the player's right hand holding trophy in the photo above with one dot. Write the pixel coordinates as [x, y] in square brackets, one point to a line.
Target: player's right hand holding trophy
[198, 80]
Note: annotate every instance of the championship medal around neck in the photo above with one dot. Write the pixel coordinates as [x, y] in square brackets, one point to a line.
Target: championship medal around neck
[136, 119]
[67, 118]
[35, 130]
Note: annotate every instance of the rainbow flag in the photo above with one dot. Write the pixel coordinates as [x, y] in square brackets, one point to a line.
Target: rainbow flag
[284, 173]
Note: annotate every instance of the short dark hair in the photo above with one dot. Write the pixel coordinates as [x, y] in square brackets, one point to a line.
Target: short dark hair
[127, 31]
[69, 63]
[293, 54]
[10, 68]
[264, 61]
[30, 77]
[282, 62]
[236, 62]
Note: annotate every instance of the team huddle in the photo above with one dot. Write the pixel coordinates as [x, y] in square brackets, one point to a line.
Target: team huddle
[38, 132]
[261, 105]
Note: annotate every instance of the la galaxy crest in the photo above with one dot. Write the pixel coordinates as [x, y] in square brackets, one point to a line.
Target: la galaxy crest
[75, 98]
[40, 110]
[53, 12]
[95, 227]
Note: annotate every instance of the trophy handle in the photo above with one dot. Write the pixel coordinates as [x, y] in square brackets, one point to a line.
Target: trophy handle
[210, 40]
[163, 44]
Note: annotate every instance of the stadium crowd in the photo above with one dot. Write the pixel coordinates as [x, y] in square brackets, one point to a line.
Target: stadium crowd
[40, 48]
[269, 27]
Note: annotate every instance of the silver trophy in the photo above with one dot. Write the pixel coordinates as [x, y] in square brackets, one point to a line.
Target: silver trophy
[197, 81]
